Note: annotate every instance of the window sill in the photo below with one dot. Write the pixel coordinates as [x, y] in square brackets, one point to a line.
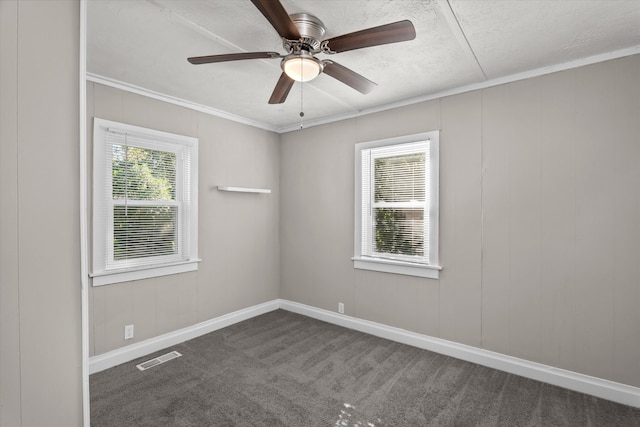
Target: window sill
[109, 278]
[396, 267]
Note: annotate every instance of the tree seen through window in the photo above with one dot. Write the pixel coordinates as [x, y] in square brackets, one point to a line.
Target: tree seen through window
[143, 190]
[399, 183]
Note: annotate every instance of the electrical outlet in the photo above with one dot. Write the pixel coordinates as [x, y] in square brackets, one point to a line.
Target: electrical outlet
[128, 332]
[340, 308]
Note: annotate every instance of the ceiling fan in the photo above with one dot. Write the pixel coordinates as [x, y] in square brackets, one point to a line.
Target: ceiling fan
[301, 37]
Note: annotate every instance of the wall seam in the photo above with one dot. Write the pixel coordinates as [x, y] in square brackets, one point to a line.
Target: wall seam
[575, 227]
[481, 219]
[18, 207]
[614, 236]
[509, 266]
[541, 225]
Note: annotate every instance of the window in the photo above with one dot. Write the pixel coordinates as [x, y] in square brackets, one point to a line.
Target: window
[396, 207]
[145, 213]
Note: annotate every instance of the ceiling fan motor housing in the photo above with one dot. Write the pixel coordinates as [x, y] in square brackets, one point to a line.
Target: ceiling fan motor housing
[302, 37]
[311, 29]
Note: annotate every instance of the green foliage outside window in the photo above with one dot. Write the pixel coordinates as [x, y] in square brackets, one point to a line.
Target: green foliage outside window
[143, 229]
[392, 236]
[142, 174]
[399, 179]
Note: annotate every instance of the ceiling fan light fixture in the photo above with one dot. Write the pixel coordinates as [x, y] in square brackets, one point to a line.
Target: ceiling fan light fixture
[302, 37]
[301, 67]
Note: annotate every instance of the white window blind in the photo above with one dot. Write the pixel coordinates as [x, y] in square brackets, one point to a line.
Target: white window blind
[395, 197]
[397, 204]
[143, 199]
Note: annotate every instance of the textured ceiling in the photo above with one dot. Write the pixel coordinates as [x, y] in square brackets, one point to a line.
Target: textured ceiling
[145, 43]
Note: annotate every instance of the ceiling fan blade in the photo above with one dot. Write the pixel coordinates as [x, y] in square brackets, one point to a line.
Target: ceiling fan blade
[349, 77]
[281, 90]
[232, 57]
[389, 33]
[278, 17]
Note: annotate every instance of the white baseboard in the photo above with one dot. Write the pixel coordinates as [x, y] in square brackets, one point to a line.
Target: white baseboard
[143, 348]
[594, 386]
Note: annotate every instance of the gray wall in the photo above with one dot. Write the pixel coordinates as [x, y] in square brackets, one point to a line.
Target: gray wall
[40, 287]
[540, 230]
[238, 232]
[540, 220]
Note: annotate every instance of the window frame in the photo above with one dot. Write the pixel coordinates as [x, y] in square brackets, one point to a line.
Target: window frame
[399, 264]
[107, 270]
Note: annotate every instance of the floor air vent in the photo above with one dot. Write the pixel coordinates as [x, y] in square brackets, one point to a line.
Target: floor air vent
[158, 360]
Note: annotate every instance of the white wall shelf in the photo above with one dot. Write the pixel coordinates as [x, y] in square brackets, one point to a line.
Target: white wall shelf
[244, 189]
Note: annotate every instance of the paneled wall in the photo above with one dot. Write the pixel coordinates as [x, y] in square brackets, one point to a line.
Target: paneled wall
[540, 220]
[40, 284]
[238, 232]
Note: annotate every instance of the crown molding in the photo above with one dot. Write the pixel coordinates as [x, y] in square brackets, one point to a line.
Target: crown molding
[106, 81]
[471, 87]
[354, 114]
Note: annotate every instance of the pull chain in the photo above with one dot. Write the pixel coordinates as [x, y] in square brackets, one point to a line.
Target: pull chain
[126, 176]
[301, 96]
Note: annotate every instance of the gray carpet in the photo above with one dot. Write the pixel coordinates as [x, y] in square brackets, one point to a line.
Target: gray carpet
[283, 369]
